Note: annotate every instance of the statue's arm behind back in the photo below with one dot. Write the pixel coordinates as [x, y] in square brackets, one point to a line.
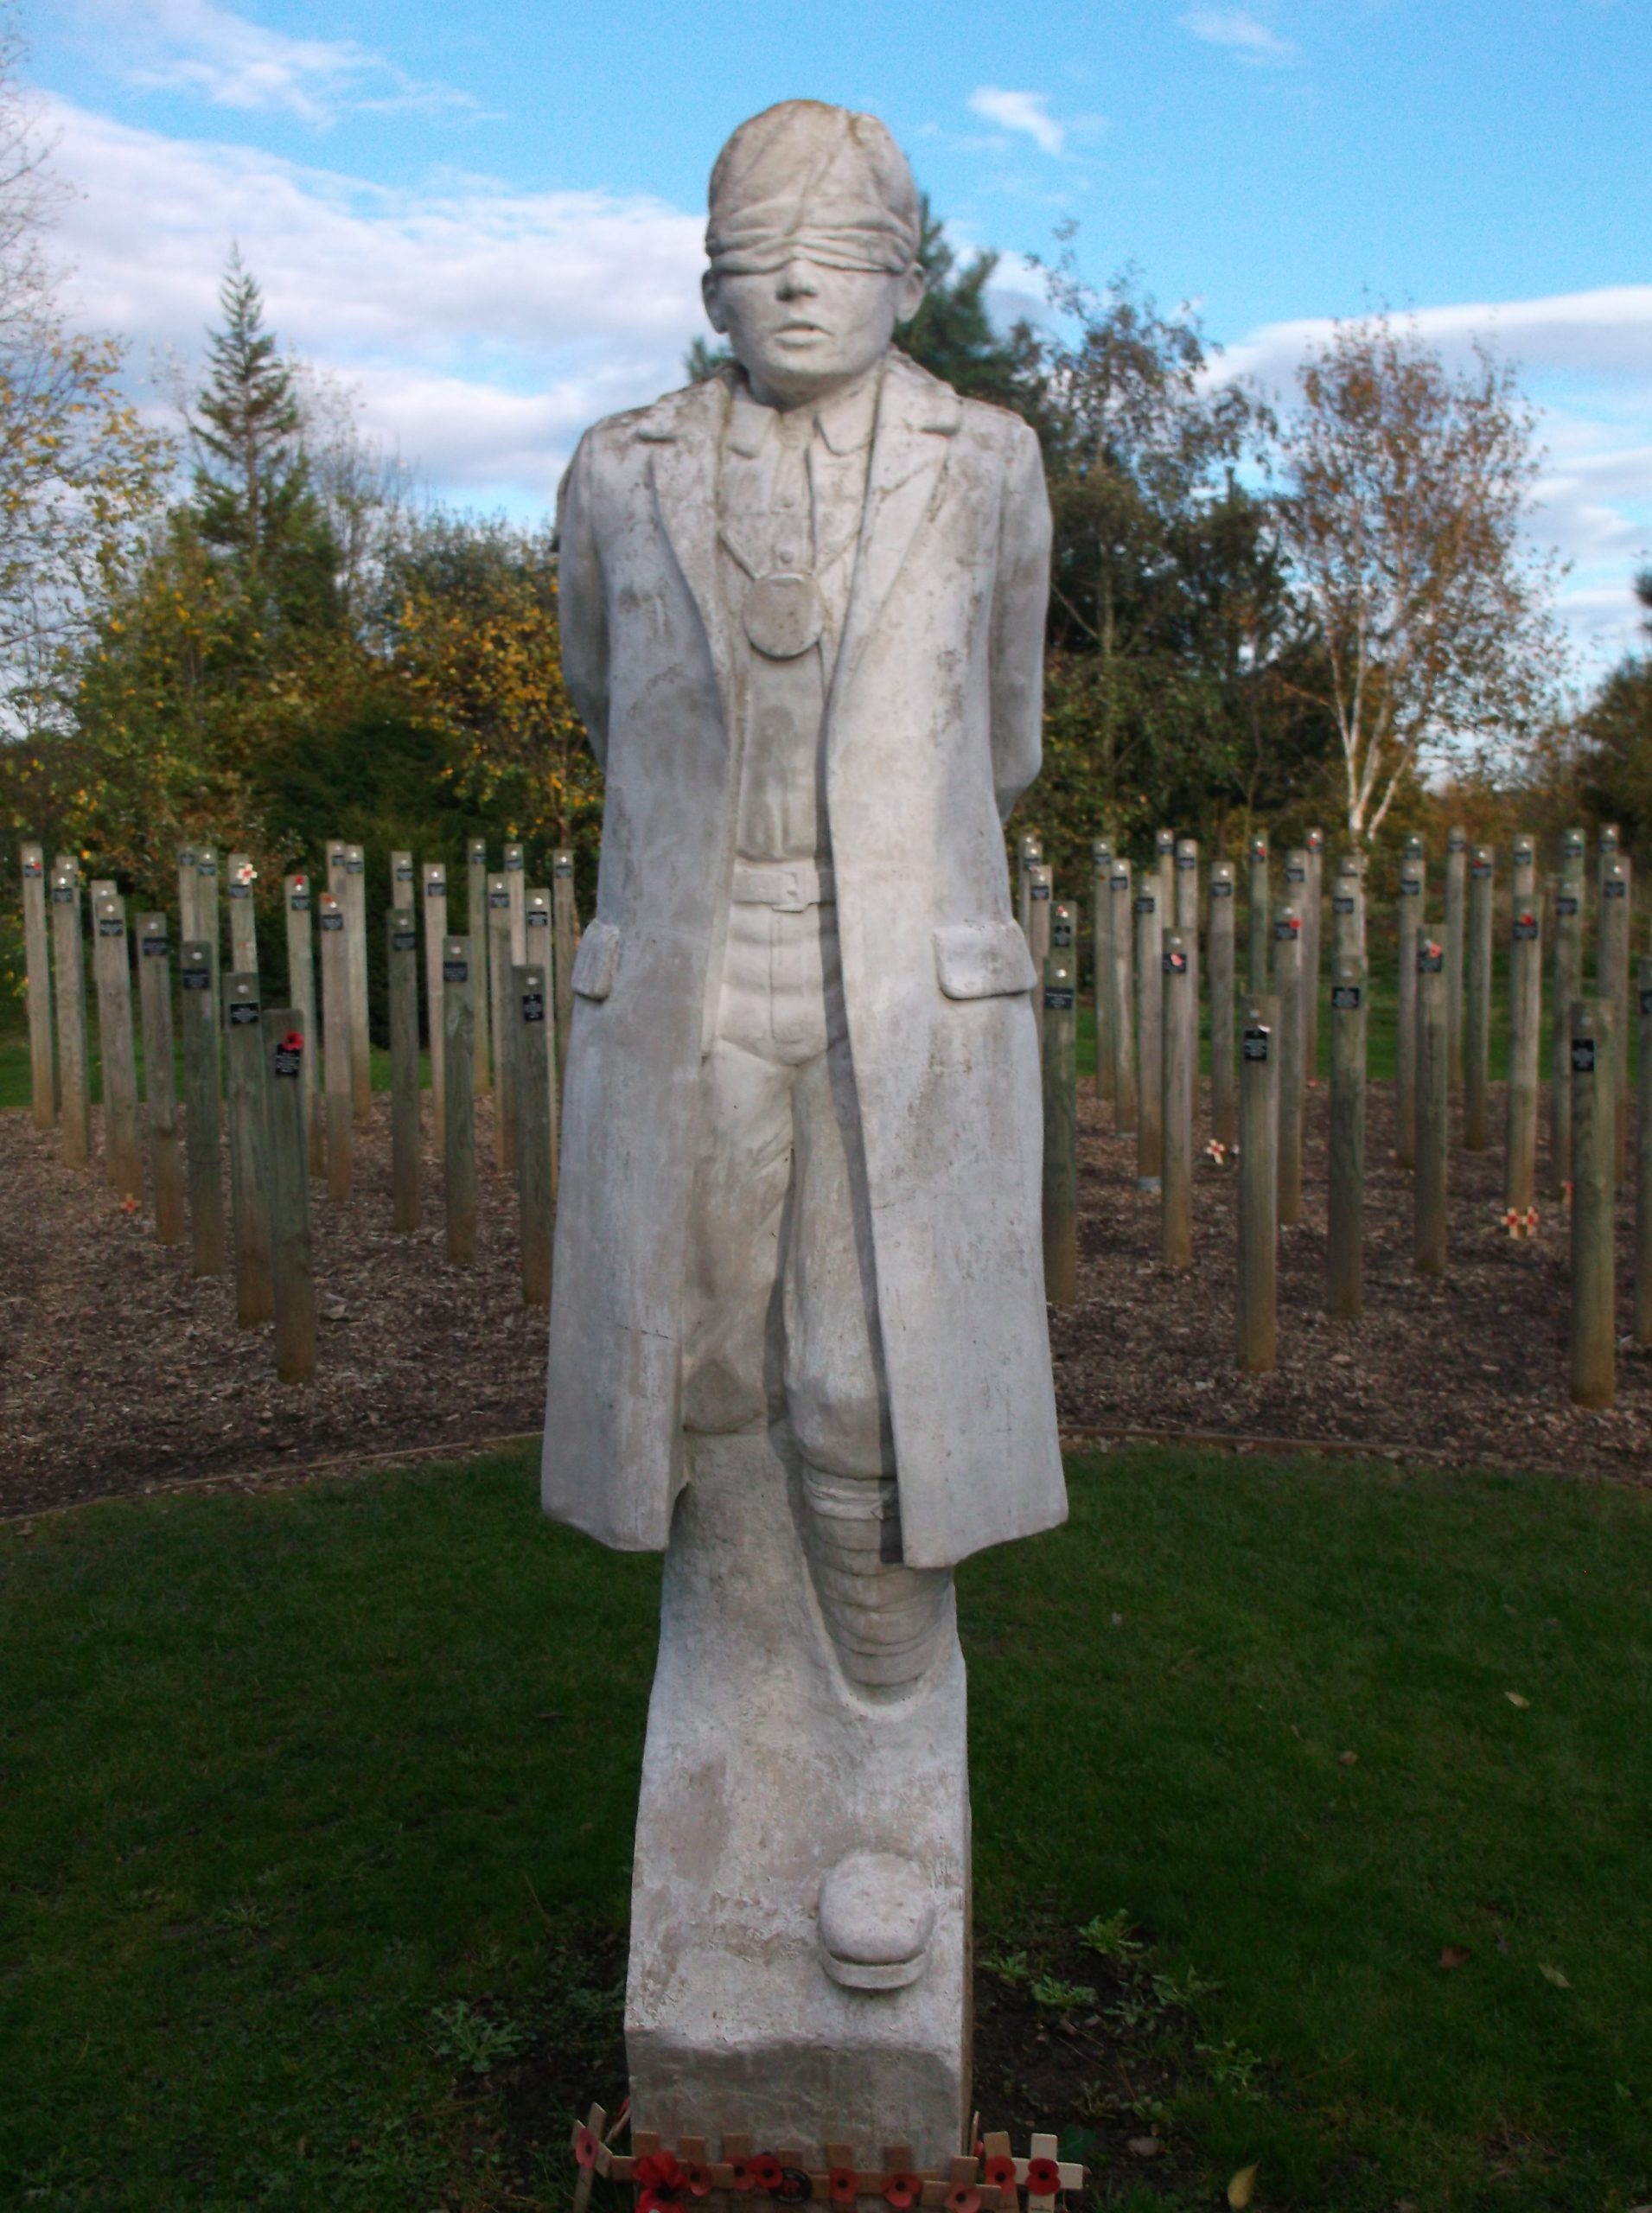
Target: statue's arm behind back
[1020, 607]
[583, 600]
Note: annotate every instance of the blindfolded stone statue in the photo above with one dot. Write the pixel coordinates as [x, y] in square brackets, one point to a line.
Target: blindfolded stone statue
[798, 1334]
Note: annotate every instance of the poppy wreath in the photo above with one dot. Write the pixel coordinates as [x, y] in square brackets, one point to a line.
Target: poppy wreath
[661, 2181]
[1044, 2177]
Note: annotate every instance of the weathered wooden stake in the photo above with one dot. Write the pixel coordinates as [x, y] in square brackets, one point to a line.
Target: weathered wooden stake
[1347, 912]
[402, 880]
[1186, 918]
[284, 1044]
[112, 966]
[1040, 891]
[435, 908]
[339, 1044]
[1413, 892]
[69, 995]
[564, 926]
[459, 1143]
[476, 917]
[1164, 862]
[1060, 997]
[531, 1000]
[186, 930]
[1259, 920]
[1525, 1038]
[1029, 851]
[198, 1005]
[516, 884]
[1179, 1045]
[160, 1078]
[541, 955]
[1432, 1110]
[354, 904]
[1224, 1095]
[1256, 1305]
[37, 953]
[1123, 1016]
[499, 985]
[1456, 915]
[1101, 962]
[209, 922]
[1287, 974]
[1612, 961]
[301, 977]
[1476, 1005]
[1345, 1241]
[1643, 1158]
[1568, 985]
[1149, 1036]
[1312, 949]
[401, 934]
[249, 1149]
[1594, 1151]
[240, 876]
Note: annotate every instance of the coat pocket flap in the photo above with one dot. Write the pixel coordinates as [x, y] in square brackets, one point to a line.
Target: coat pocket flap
[596, 961]
[982, 960]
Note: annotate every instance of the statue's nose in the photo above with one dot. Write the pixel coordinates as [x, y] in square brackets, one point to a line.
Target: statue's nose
[797, 280]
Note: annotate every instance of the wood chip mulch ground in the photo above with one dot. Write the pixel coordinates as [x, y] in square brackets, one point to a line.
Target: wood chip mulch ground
[120, 1372]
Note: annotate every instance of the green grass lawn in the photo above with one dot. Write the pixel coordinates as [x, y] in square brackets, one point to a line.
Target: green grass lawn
[317, 1813]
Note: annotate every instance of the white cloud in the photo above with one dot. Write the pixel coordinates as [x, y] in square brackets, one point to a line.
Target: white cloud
[1024, 111]
[1240, 32]
[194, 46]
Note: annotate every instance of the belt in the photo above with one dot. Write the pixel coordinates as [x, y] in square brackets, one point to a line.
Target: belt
[789, 886]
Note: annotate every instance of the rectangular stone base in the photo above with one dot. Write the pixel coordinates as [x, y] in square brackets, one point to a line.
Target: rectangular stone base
[762, 1768]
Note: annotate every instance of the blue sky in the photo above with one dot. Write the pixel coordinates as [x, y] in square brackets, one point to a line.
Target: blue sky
[488, 219]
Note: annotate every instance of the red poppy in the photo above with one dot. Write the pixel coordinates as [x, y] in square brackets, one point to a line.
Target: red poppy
[902, 2190]
[697, 2178]
[765, 2171]
[1044, 2177]
[963, 2197]
[293, 1041]
[742, 2173]
[843, 2185]
[1001, 2170]
[584, 2147]
[661, 2180]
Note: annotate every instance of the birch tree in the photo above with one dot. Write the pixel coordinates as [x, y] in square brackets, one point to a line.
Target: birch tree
[1407, 491]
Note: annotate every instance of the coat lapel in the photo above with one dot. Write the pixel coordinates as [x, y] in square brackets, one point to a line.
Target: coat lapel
[917, 417]
[683, 470]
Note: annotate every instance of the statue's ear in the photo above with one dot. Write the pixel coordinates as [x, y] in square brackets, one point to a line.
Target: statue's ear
[914, 284]
[711, 294]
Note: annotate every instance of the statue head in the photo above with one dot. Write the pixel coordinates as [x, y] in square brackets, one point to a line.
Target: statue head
[812, 237]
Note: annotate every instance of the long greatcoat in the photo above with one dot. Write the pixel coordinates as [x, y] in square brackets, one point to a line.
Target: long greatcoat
[932, 734]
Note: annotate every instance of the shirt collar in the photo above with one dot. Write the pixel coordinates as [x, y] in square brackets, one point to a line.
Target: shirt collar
[845, 421]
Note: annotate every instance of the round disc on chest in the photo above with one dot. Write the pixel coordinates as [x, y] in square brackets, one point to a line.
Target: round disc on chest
[784, 615]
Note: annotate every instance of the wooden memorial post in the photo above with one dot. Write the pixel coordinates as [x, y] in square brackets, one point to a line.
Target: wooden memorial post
[1476, 1005]
[1164, 862]
[43, 1081]
[1347, 912]
[1287, 975]
[541, 955]
[1525, 1036]
[1413, 892]
[1456, 915]
[565, 928]
[435, 909]
[459, 1143]
[499, 985]
[1149, 1036]
[160, 1078]
[1297, 871]
[1256, 1305]
[69, 993]
[531, 1000]
[1101, 961]
[1312, 947]
[1059, 992]
[1345, 1240]
[1177, 1049]
[1184, 917]
[111, 966]
[354, 904]
[1612, 984]
[198, 1006]
[1224, 1096]
[516, 885]
[402, 880]
[401, 933]
[1569, 902]
[249, 1149]
[1039, 892]
[301, 980]
[476, 915]
[1259, 920]
[338, 1043]
[1432, 1109]
[283, 1046]
[1028, 853]
[208, 919]
[1121, 941]
[240, 876]
[186, 930]
[1594, 1152]
[1644, 1158]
